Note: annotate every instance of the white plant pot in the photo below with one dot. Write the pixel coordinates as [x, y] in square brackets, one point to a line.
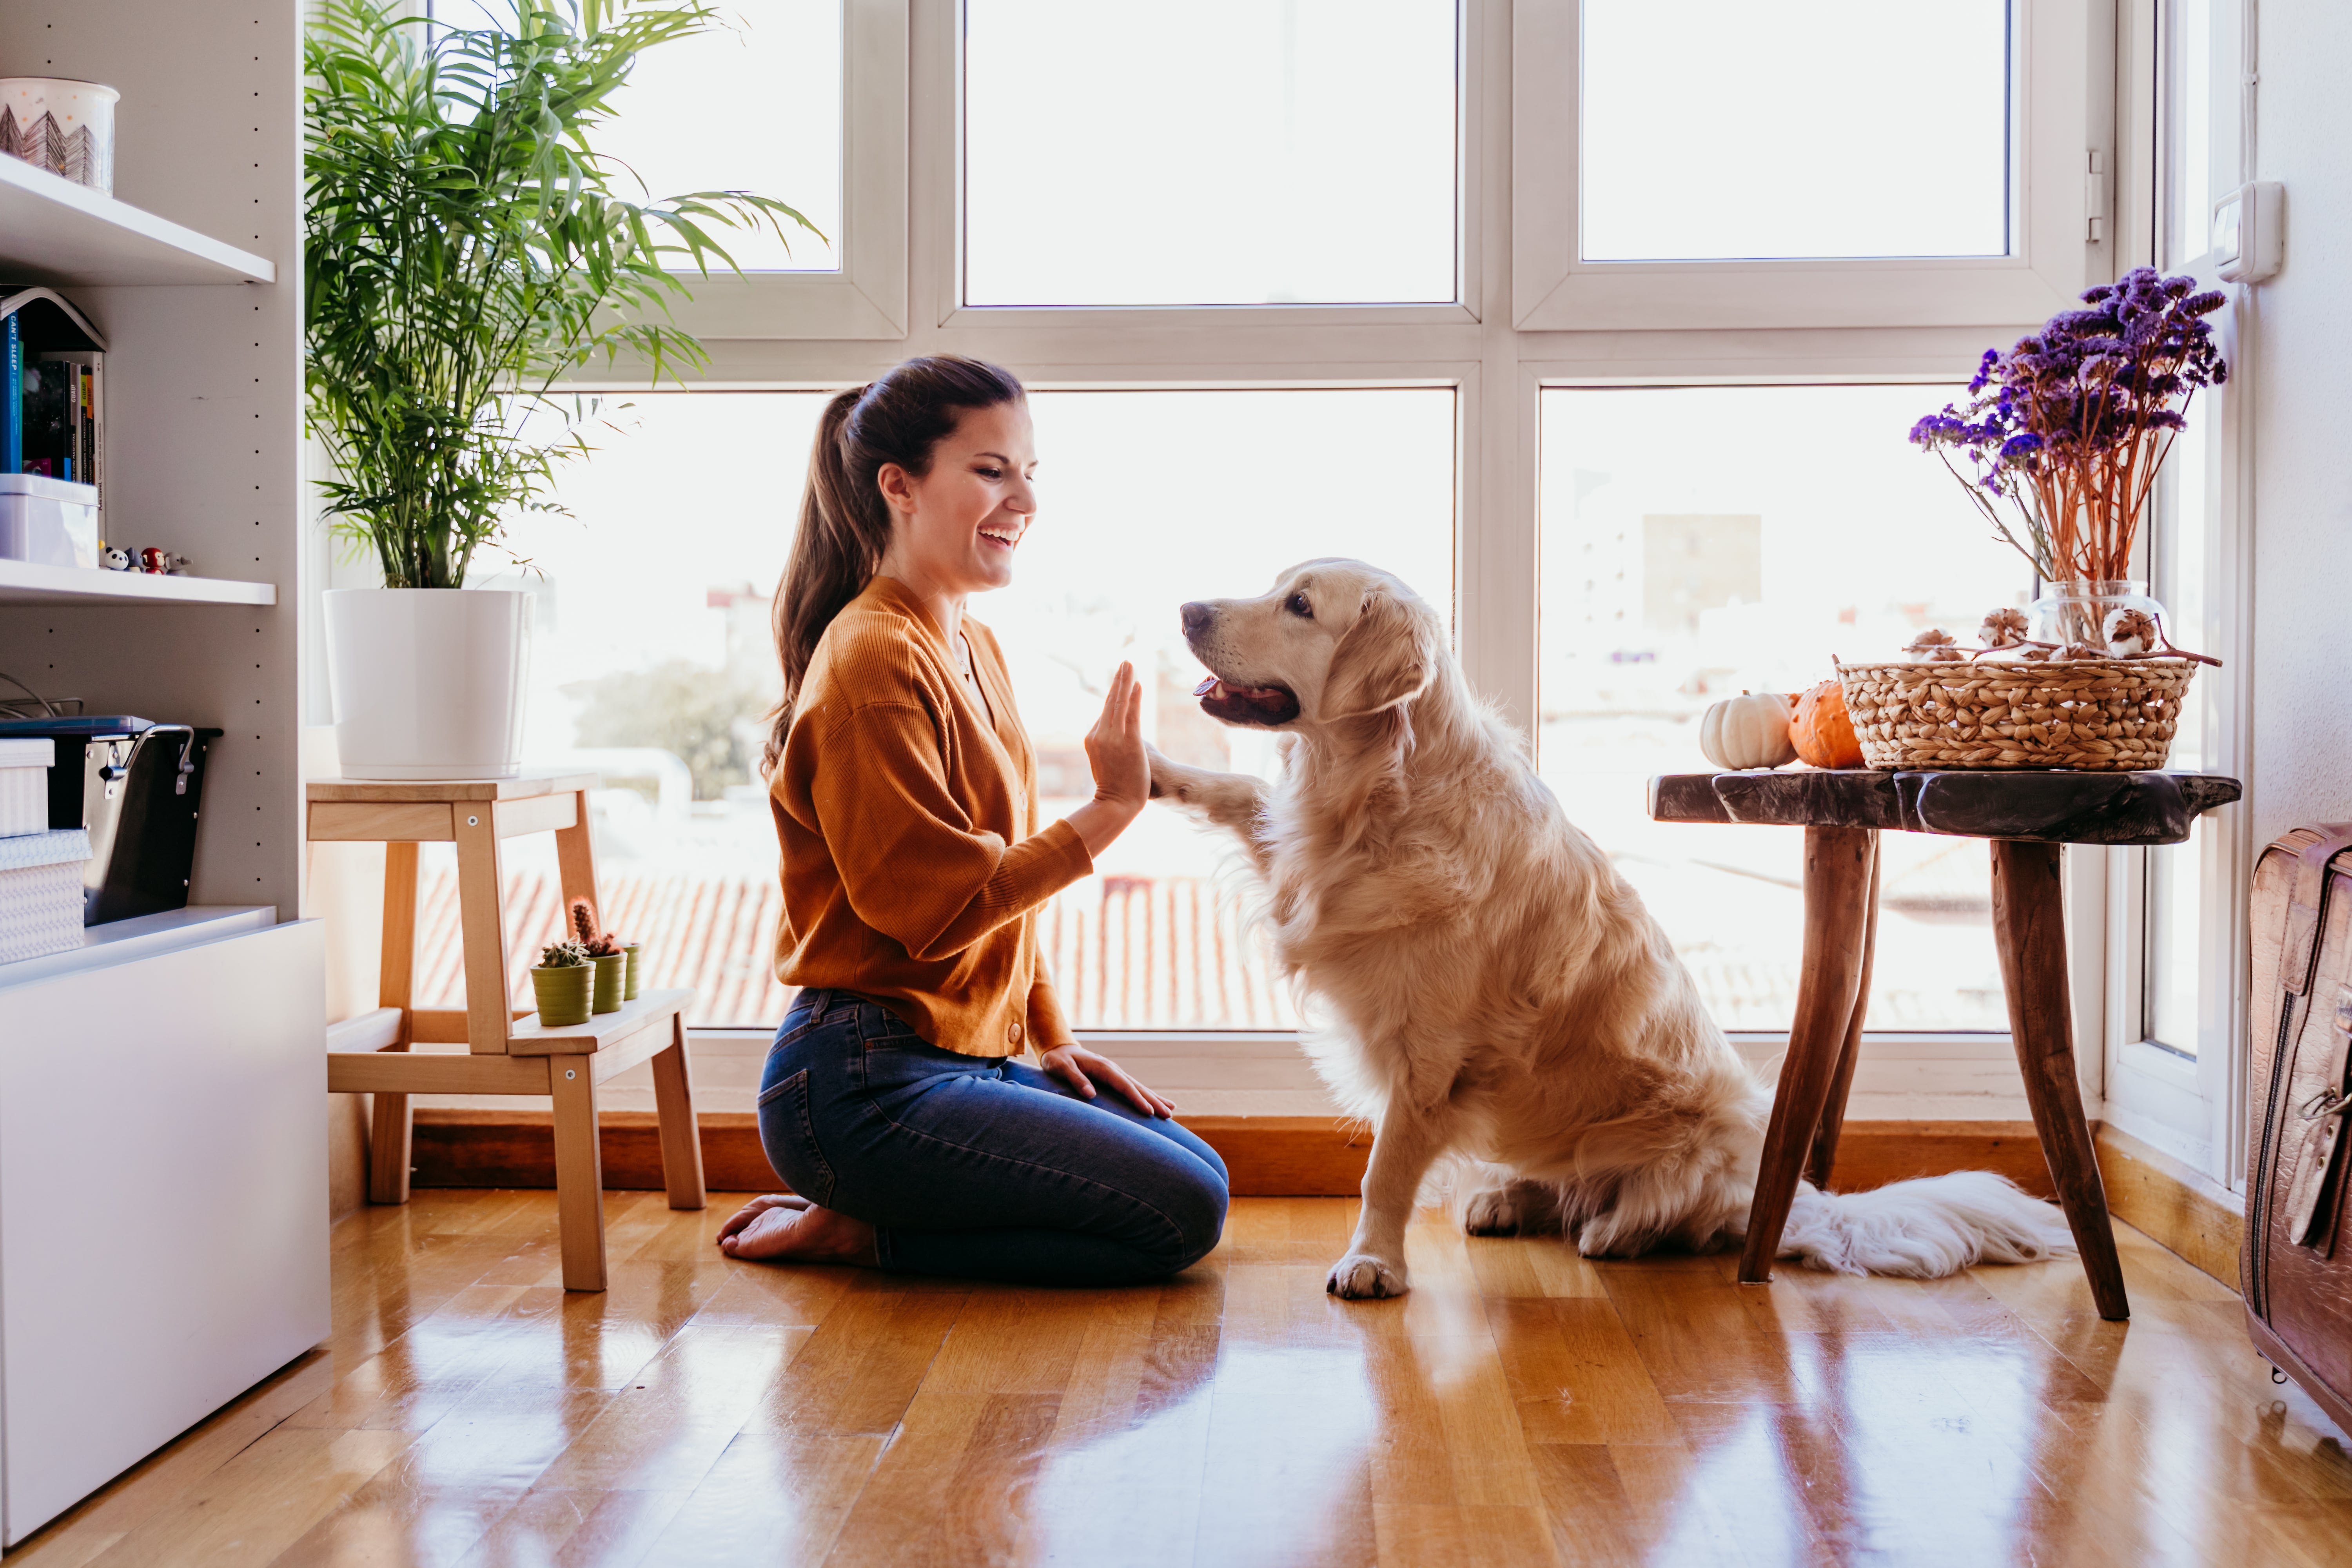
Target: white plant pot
[428, 681]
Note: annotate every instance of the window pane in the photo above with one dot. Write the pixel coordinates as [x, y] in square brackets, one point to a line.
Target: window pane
[1717, 129]
[753, 106]
[2186, 544]
[2187, 136]
[1148, 499]
[1222, 152]
[654, 663]
[1702, 542]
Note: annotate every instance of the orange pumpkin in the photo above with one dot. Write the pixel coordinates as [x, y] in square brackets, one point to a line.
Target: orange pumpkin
[1822, 732]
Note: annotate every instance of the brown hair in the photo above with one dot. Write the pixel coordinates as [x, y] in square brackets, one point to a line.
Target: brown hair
[845, 524]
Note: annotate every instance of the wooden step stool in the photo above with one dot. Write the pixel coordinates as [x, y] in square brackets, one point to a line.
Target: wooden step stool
[506, 1055]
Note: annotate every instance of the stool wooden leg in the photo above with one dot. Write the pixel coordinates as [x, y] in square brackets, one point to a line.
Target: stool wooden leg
[481, 921]
[389, 1148]
[575, 859]
[1838, 862]
[2030, 931]
[1825, 1137]
[579, 1175]
[681, 1140]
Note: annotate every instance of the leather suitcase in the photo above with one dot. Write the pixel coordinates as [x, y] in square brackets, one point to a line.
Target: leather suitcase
[2296, 1269]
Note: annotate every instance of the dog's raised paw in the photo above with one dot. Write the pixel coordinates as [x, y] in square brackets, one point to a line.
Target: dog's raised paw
[1360, 1277]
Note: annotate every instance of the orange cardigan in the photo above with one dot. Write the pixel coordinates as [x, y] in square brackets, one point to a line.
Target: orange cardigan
[912, 864]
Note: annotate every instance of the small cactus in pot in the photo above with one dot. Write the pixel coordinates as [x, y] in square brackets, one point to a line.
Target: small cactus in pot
[563, 982]
[604, 950]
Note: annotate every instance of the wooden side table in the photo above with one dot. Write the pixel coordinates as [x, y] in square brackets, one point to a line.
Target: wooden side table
[2028, 816]
[505, 1055]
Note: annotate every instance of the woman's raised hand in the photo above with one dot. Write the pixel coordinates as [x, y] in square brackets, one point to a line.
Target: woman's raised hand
[1122, 771]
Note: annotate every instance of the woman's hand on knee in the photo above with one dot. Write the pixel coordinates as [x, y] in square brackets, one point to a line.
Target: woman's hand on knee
[1082, 1069]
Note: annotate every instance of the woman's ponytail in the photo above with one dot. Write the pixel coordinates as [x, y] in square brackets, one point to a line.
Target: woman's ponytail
[844, 524]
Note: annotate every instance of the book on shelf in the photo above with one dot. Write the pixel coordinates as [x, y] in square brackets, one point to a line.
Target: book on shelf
[52, 391]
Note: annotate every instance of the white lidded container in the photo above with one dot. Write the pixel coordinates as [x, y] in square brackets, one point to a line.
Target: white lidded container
[65, 127]
[40, 892]
[51, 522]
[24, 786]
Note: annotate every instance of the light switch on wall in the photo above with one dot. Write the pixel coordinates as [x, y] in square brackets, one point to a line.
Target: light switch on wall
[2249, 232]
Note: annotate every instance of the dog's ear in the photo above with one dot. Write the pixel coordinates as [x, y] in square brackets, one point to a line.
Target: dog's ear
[1387, 659]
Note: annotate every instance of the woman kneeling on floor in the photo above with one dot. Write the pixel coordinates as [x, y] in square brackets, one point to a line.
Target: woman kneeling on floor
[904, 791]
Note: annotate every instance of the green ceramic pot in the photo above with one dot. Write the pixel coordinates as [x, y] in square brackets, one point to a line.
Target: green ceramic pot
[612, 979]
[636, 952]
[563, 993]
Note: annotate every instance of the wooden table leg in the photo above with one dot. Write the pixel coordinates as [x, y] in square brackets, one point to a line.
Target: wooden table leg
[1838, 864]
[579, 1175]
[2030, 931]
[389, 1148]
[1825, 1136]
[681, 1139]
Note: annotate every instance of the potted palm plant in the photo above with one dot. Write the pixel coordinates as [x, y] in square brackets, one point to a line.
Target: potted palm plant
[465, 248]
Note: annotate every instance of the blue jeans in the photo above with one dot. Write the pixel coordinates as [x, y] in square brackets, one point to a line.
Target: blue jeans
[978, 1167]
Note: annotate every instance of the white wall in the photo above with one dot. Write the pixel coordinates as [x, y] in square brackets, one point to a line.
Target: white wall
[2301, 322]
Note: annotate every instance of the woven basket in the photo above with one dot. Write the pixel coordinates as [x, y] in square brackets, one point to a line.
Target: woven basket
[2108, 715]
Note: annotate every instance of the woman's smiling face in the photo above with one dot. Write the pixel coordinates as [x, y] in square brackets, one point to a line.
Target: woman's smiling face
[956, 528]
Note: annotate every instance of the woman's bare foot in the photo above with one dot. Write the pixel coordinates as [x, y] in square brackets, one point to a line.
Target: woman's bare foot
[784, 1228]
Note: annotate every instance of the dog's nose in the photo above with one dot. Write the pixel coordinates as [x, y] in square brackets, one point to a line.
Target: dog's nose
[1197, 617]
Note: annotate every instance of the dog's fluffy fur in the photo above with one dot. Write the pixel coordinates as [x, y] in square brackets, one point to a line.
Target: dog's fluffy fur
[1499, 994]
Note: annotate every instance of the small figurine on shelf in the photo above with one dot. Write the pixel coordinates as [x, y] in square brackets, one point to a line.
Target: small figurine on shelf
[163, 563]
[113, 558]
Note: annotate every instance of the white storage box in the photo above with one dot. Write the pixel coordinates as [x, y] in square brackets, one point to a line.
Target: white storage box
[40, 892]
[47, 521]
[24, 786]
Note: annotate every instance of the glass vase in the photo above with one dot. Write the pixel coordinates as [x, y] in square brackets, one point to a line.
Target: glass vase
[2074, 614]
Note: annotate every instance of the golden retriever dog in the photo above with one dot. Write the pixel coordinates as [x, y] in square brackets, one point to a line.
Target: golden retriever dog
[1497, 994]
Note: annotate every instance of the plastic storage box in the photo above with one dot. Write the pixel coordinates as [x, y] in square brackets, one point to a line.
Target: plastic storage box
[25, 786]
[47, 521]
[40, 892]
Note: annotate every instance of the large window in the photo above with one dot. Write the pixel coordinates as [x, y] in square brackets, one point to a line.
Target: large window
[1601, 322]
[1700, 542]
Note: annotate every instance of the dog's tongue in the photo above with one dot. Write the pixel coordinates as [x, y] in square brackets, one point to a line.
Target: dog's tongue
[1205, 687]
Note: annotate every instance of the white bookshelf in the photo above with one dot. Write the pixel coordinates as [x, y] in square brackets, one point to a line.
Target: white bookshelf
[31, 583]
[190, 1048]
[53, 231]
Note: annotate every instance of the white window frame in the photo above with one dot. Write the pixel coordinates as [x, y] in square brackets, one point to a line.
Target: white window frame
[2051, 183]
[1497, 365]
[866, 296]
[2193, 1109]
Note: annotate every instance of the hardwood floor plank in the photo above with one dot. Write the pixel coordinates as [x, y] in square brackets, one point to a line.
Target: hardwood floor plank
[861, 1367]
[260, 1502]
[771, 1498]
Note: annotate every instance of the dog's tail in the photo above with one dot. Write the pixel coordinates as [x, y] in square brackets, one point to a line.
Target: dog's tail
[1924, 1228]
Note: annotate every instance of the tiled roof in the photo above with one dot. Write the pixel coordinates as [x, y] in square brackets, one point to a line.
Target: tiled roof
[1178, 955]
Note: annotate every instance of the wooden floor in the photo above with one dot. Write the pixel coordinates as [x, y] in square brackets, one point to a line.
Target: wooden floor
[1520, 1405]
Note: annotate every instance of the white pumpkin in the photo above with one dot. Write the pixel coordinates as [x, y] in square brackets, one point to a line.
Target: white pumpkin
[1748, 732]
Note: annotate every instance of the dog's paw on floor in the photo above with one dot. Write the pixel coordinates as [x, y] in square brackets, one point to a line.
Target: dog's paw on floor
[1513, 1208]
[1360, 1277]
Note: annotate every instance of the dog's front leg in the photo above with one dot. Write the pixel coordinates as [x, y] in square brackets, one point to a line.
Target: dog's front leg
[1409, 1139]
[1236, 802]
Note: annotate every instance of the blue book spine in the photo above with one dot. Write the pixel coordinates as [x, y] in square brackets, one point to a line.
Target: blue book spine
[12, 403]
